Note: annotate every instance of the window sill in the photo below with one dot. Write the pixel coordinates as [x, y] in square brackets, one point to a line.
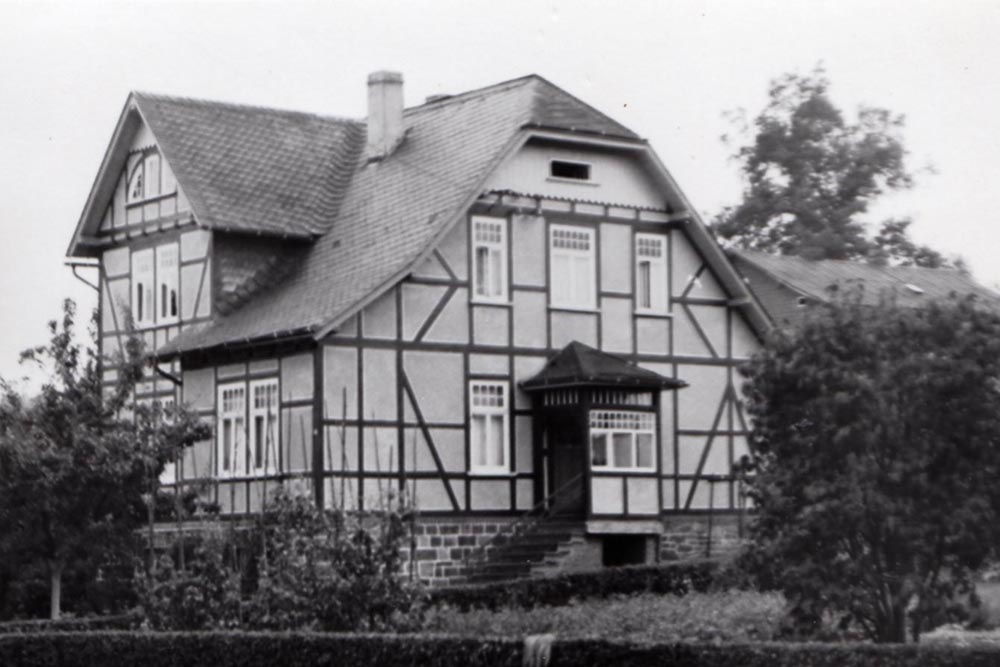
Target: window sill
[623, 471]
[572, 181]
[502, 303]
[653, 314]
[492, 472]
[576, 309]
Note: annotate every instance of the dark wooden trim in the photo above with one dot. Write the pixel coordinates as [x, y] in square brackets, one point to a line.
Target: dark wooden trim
[701, 332]
[318, 432]
[698, 476]
[434, 314]
[418, 413]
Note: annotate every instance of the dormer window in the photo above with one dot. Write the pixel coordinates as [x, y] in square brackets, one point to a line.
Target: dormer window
[573, 171]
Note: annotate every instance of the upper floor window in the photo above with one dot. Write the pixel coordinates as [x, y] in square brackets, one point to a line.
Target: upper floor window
[650, 273]
[155, 286]
[574, 171]
[145, 180]
[489, 257]
[572, 268]
[264, 425]
[231, 436]
[489, 426]
[621, 440]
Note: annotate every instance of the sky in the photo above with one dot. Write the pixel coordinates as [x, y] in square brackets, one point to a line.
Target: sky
[668, 70]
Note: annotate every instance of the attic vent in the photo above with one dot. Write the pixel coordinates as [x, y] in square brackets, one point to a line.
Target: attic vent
[577, 171]
[913, 288]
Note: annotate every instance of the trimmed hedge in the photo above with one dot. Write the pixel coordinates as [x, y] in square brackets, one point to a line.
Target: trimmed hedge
[230, 649]
[87, 623]
[252, 649]
[678, 578]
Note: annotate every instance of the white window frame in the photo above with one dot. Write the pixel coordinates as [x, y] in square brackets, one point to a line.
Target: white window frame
[151, 184]
[487, 412]
[270, 412]
[168, 272]
[494, 247]
[143, 277]
[657, 278]
[602, 424]
[573, 255]
[236, 415]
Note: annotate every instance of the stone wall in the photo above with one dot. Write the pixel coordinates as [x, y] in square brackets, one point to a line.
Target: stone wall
[697, 536]
[443, 543]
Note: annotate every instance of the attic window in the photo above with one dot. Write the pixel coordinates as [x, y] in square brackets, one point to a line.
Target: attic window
[914, 288]
[574, 171]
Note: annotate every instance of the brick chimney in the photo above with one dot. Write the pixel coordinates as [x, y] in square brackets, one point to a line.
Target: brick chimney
[385, 113]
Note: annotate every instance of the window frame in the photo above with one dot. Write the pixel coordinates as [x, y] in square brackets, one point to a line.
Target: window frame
[259, 467]
[590, 255]
[169, 280]
[659, 301]
[148, 294]
[502, 248]
[503, 411]
[237, 416]
[634, 433]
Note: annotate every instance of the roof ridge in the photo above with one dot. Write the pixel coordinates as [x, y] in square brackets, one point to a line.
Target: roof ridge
[240, 106]
[537, 94]
[466, 95]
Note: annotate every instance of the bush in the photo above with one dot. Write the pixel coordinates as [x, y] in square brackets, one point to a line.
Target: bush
[89, 623]
[672, 578]
[731, 616]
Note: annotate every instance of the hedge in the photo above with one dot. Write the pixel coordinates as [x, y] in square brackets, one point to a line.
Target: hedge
[676, 578]
[229, 649]
[119, 622]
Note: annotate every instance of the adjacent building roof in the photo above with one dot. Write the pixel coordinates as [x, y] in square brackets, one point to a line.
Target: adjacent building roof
[784, 284]
[579, 365]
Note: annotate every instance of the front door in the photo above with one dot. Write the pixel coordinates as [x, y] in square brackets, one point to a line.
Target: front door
[567, 450]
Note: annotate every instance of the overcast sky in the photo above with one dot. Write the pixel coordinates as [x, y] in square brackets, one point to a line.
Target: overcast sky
[666, 69]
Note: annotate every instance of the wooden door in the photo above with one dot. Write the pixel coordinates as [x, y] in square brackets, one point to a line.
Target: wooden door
[566, 437]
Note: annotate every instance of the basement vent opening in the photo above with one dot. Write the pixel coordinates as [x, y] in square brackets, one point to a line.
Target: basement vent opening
[577, 171]
[914, 288]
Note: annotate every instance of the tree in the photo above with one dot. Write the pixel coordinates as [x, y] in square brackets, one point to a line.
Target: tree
[74, 465]
[811, 176]
[877, 452]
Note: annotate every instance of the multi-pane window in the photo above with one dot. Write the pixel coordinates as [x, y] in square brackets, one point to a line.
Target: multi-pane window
[144, 182]
[650, 273]
[231, 434]
[143, 307]
[489, 257]
[167, 275]
[572, 268]
[622, 440]
[489, 426]
[264, 425]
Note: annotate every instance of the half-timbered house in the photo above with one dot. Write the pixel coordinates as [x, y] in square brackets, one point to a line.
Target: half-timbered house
[499, 300]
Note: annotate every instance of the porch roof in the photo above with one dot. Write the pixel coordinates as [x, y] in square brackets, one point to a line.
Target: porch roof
[579, 365]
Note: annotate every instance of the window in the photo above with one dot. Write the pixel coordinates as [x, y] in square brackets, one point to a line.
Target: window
[143, 311]
[231, 434]
[489, 426]
[576, 171]
[264, 426]
[650, 273]
[572, 271]
[622, 440]
[166, 280]
[144, 182]
[489, 256]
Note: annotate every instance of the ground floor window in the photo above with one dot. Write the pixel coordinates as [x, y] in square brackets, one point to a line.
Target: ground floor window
[488, 426]
[622, 440]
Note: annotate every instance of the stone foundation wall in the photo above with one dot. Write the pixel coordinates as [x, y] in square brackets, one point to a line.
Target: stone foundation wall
[696, 536]
[443, 543]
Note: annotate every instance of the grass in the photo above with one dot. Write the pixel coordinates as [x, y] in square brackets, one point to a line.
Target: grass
[729, 616]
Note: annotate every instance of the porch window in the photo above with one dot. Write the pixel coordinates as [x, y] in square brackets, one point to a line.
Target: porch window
[264, 425]
[231, 436]
[650, 273]
[572, 269]
[489, 426]
[622, 440]
[489, 256]
[143, 308]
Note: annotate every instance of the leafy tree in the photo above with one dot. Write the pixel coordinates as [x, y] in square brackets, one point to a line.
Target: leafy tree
[877, 440]
[74, 464]
[811, 176]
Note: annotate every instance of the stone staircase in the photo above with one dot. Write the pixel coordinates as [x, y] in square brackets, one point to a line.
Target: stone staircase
[537, 550]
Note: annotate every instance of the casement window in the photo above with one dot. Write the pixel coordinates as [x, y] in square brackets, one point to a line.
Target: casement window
[167, 277]
[264, 426]
[143, 301]
[650, 273]
[144, 181]
[489, 257]
[231, 455]
[572, 268]
[622, 440]
[489, 426]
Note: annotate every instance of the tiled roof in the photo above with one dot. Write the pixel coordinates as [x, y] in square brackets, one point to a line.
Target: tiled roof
[579, 365]
[253, 169]
[390, 211]
[779, 280]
